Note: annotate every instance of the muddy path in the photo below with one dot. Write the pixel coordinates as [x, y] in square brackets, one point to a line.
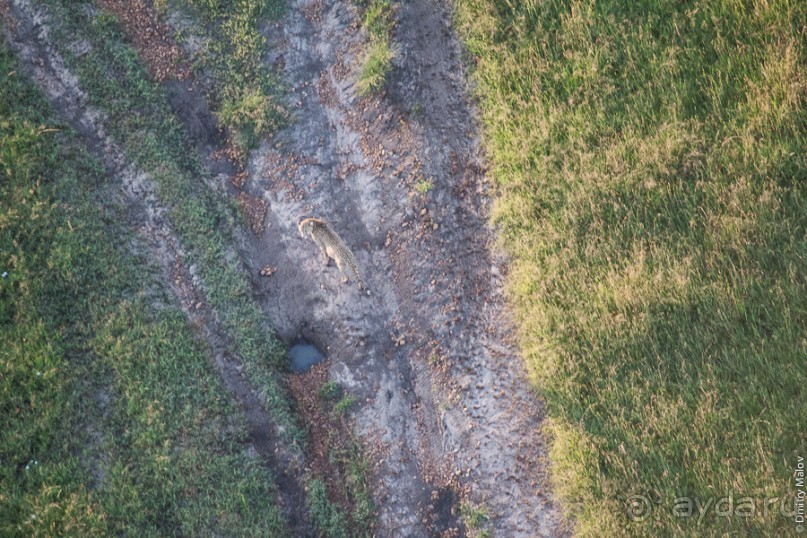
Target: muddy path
[27, 29]
[445, 405]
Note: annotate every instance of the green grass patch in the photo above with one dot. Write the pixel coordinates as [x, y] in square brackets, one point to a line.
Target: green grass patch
[354, 466]
[342, 407]
[357, 480]
[248, 94]
[351, 469]
[475, 518]
[376, 65]
[379, 21]
[652, 197]
[111, 422]
[327, 516]
[333, 520]
[330, 390]
[140, 119]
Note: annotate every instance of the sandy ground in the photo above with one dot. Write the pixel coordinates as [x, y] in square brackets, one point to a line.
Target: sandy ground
[444, 406]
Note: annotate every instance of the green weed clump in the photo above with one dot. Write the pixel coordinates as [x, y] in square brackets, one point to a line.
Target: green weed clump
[475, 518]
[248, 93]
[111, 422]
[652, 197]
[376, 65]
[379, 21]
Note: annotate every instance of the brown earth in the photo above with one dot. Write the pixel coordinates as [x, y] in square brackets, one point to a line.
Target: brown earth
[152, 37]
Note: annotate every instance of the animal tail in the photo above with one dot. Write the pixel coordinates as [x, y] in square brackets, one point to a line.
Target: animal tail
[354, 269]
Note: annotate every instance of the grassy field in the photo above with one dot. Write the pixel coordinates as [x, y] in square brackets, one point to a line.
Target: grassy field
[652, 196]
[140, 119]
[112, 421]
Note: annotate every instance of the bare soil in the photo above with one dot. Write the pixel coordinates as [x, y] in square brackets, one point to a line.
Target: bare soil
[444, 399]
[444, 406]
[160, 53]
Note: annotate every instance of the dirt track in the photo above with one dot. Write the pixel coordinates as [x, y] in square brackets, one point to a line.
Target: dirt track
[444, 405]
[430, 354]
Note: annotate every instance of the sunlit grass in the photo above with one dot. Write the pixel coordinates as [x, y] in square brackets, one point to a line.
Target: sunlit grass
[376, 65]
[651, 180]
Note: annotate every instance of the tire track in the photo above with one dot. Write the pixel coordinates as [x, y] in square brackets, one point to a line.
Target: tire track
[27, 30]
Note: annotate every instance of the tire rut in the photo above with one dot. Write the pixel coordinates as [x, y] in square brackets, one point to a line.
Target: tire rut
[27, 31]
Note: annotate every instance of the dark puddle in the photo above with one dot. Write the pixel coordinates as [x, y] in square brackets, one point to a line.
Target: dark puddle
[302, 356]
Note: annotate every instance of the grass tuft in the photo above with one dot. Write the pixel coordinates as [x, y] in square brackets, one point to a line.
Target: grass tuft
[376, 65]
[331, 390]
[423, 186]
[475, 518]
[342, 407]
[249, 94]
[379, 22]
